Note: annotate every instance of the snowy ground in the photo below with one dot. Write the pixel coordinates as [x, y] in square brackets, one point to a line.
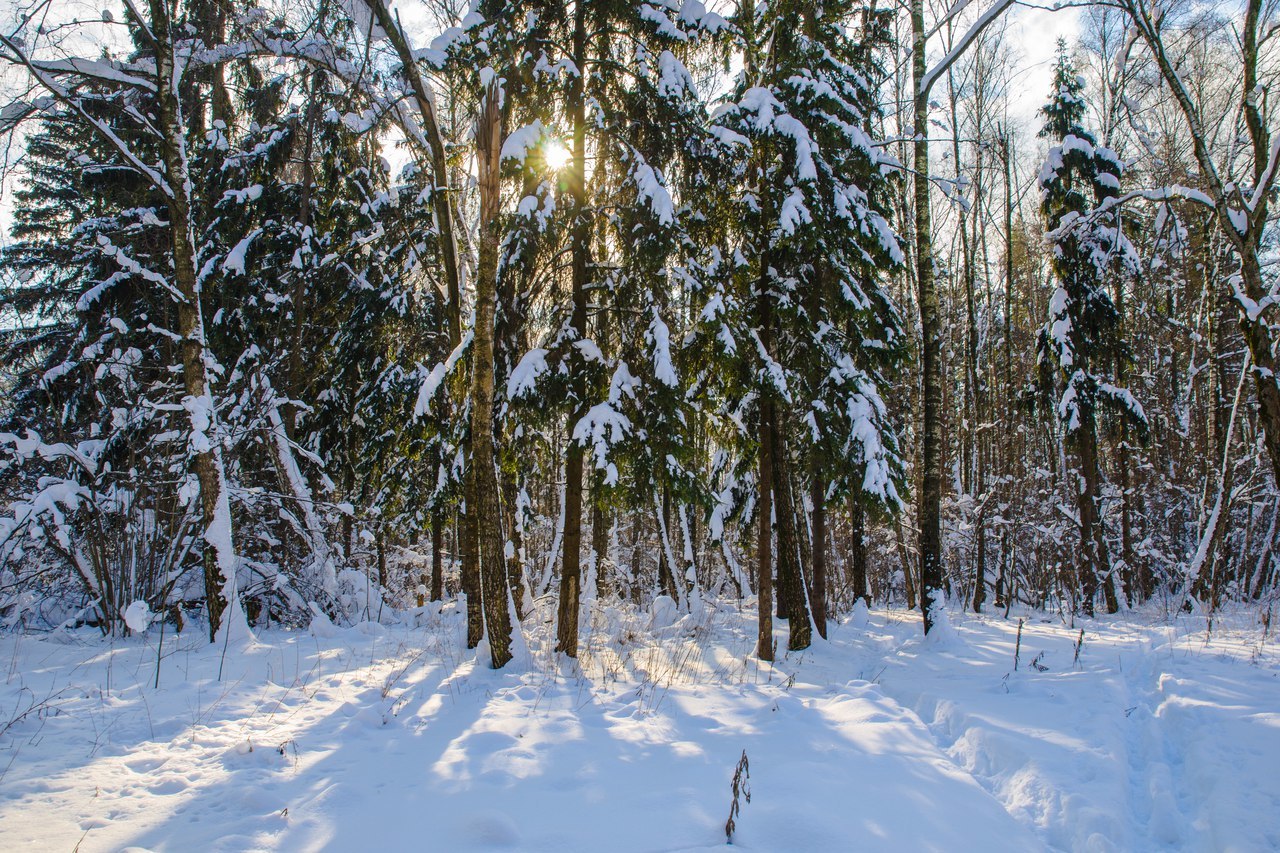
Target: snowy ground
[1162, 737]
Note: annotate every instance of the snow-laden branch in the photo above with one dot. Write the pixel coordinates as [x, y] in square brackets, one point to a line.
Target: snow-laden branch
[1169, 193]
[49, 81]
[957, 50]
[957, 8]
[1265, 182]
[101, 70]
[32, 445]
[432, 381]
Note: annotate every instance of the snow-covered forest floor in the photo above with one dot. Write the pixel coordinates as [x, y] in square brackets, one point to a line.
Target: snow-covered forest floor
[1162, 736]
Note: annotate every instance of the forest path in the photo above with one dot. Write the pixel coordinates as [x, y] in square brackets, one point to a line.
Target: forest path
[1205, 712]
[1153, 740]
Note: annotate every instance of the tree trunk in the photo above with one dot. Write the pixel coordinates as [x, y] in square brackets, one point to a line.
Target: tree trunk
[205, 444]
[437, 557]
[818, 595]
[600, 540]
[765, 511]
[980, 566]
[382, 560]
[930, 506]
[424, 100]
[571, 565]
[666, 557]
[514, 523]
[858, 550]
[1001, 579]
[1095, 562]
[471, 553]
[495, 589]
[789, 577]
[764, 538]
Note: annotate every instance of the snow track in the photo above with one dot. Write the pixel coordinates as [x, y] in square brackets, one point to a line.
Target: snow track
[1153, 741]
[877, 740]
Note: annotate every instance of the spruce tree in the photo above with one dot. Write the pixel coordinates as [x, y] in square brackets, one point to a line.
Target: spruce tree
[1079, 183]
[820, 332]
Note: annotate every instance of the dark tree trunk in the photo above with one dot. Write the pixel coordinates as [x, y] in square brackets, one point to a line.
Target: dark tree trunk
[764, 538]
[600, 541]
[571, 560]
[858, 550]
[382, 561]
[437, 556]
[930, 506]
[765, 511]
[818, 594]
[471, 557]
[1095, 562]
[515, 570]
[494, 586]
[666, 572]
[790, 581]
[980, 568]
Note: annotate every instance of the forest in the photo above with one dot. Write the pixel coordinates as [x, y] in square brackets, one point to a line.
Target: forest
[338, 317]
[654, 301]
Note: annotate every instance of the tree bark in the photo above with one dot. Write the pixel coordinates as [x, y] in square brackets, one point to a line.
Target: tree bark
[1095, 562]
[858, 550]
[571, 565]
[494, 587]
[818, 595]
[930, 505]
[764, 540]
[800, 628]
[205, 443]
[980, 565]
[470, 524]
[600, 539]
[514, 537]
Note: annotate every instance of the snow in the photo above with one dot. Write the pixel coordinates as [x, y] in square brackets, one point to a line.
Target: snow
[958, 47]
[436, 376]
[694, 14]
[521, 141]
[600, 428]
[235, 260]
[674, 80]
[524, 379]
[137, 616]
[1107, 180]
[794, 212]
[651, 193]
[1072, 144]
[1161, 737]
[363, 17]
[666, 28]
[659, 336]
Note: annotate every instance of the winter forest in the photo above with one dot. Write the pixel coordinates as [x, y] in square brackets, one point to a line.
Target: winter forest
[473, 424]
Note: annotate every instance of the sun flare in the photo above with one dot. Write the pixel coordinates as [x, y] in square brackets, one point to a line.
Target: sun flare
[557, 155]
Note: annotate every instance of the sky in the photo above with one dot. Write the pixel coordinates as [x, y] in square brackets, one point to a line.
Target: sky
[1034, 33]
